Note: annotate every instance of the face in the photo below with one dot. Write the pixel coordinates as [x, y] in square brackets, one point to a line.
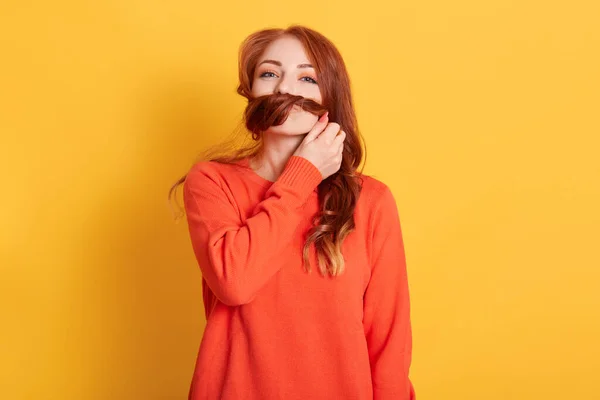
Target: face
[284, 67]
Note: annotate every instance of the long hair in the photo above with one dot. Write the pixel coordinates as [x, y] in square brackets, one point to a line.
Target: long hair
[338, 193]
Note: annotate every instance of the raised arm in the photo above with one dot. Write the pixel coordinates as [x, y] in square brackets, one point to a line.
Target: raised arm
[235, 257]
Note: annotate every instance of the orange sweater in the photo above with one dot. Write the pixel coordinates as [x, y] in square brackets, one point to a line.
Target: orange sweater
[275, 331]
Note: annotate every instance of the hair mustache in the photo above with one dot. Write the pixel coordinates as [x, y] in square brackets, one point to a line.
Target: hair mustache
[271, 110]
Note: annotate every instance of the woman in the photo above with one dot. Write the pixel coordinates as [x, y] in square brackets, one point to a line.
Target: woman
[275, 329]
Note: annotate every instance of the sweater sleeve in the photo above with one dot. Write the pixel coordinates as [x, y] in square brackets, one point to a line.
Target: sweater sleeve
[234, 256]
[386, 313]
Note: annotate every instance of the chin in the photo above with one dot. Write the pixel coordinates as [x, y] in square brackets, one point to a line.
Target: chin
[297, 123]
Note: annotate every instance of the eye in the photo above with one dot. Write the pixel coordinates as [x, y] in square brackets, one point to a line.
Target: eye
[268, 74]
[309, 79]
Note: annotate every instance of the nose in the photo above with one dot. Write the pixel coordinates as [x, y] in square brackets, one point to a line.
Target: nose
[285, 85]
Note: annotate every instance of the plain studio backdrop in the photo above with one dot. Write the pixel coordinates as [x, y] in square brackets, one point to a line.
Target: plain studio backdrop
[482, 116]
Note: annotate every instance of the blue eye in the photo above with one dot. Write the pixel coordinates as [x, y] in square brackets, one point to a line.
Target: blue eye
[311, 80]
[267, 75]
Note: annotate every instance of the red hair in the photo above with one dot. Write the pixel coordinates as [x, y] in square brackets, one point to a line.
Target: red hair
[338, 193]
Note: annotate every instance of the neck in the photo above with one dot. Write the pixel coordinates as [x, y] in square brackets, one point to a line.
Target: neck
[277, 150]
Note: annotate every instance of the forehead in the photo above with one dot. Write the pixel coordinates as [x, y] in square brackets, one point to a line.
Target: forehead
[286, 49]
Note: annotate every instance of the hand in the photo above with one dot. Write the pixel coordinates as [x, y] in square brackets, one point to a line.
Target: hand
[323, 146]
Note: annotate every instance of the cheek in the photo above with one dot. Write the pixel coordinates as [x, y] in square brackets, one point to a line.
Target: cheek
[302, 120]
[311, 118]
[316, 96]
[297, 123]
[319, 97]
[261, 88]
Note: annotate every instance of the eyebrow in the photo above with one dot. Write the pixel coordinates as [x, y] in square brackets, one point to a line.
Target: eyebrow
[278, 63]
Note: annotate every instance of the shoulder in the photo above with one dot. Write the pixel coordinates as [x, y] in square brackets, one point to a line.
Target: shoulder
[376, 194]
[209, 180]
[206, 172]
[371, 184]
[208, 185]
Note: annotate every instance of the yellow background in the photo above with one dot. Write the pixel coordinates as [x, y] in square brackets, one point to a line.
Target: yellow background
[483, 117]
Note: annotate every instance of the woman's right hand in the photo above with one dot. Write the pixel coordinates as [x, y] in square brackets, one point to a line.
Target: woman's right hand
[323, 147]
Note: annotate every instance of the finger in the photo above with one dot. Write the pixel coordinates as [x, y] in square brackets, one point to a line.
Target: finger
[318, 127]
[339, 141]
[330, 133]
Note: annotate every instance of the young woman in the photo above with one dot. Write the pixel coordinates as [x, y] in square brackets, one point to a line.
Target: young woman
[263, 218]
